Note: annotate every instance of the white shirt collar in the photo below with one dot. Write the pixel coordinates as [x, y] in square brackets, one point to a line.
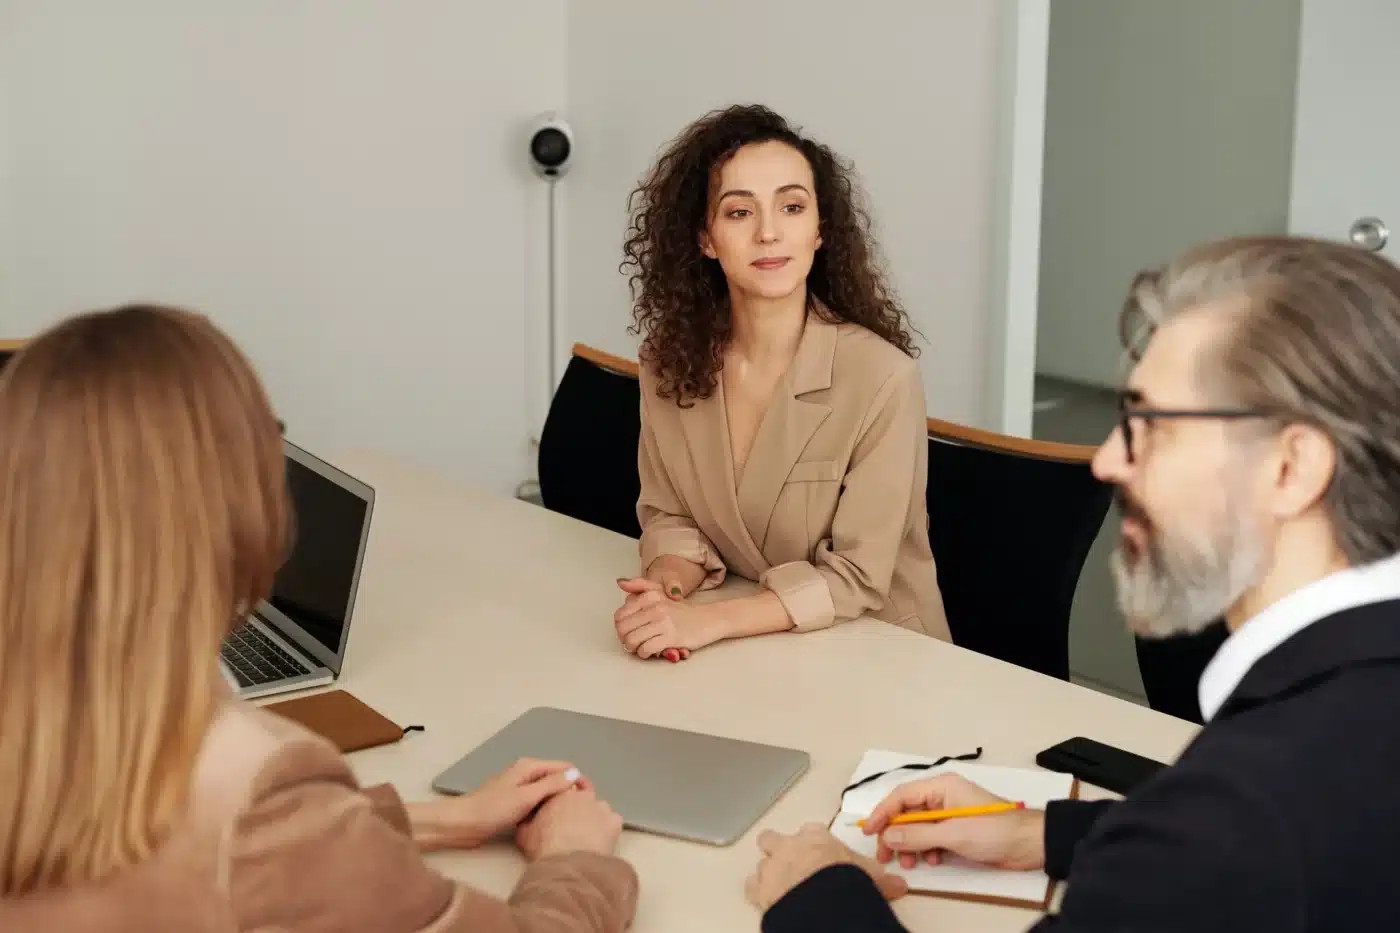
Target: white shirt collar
[1345, 589]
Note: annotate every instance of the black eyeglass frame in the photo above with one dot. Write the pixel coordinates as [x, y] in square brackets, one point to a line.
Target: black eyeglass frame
[1129, 397]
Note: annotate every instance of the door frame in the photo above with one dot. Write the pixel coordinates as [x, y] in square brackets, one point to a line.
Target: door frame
[1021, 82]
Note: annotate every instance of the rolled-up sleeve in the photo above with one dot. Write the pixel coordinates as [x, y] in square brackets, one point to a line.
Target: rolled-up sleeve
[666, 524]
[850, 572]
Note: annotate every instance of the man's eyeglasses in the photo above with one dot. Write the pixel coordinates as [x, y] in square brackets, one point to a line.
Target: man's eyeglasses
[1128, 413]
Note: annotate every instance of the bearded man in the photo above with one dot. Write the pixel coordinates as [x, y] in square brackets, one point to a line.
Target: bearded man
[1257, 469]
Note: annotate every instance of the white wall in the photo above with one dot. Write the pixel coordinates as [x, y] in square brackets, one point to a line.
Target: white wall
[907, 89]
[1015, 286]
[340, 184]
[6, 218]
[1345, 137]
[1167, 123]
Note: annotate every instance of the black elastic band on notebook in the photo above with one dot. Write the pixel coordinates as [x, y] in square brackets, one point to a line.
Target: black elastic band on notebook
[972, 756]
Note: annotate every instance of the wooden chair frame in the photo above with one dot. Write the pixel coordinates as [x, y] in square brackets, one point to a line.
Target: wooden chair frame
[1005, 443]
[614, 364]
[943, 430]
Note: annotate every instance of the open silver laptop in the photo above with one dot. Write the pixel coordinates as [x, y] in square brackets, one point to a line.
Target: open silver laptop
[684, 784]
[296, 638]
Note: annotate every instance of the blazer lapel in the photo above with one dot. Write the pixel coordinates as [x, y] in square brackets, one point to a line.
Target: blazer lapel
[706, 431]
[787, 426]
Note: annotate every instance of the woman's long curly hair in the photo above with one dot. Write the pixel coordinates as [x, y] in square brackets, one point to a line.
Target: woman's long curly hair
[680, 296]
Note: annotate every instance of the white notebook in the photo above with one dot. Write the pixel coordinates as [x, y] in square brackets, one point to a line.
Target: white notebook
[955, 877]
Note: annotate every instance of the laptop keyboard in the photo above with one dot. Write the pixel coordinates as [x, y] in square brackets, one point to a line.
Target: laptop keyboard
[256, 659]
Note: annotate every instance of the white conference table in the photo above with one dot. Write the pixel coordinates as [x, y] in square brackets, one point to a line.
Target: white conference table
[474, 607]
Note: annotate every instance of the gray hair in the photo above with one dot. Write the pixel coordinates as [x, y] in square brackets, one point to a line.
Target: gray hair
[1315, 340]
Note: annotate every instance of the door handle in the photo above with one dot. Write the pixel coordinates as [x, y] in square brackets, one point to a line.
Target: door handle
[1370, 233]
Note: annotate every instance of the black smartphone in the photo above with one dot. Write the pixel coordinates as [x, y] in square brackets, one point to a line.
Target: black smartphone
[1099, 764]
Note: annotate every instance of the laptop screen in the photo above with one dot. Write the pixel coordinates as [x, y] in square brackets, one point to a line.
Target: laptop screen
[315, 587]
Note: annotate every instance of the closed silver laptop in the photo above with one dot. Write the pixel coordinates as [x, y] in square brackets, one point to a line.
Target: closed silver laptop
[667, 781]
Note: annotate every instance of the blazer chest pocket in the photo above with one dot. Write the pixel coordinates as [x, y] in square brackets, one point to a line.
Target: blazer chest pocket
[809, 498]
[815, 471]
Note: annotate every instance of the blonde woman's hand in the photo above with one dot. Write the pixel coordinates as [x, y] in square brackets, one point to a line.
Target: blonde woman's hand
[504, 801]
[500, 804]
[575, 821]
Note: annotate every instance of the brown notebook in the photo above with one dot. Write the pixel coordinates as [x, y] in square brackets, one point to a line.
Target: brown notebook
[340, 717]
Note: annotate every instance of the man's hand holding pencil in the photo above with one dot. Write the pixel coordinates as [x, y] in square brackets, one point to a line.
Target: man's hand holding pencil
[924, 819]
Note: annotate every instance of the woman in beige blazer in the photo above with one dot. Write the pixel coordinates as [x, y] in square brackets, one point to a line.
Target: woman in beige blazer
[783, 426]
[143, 508]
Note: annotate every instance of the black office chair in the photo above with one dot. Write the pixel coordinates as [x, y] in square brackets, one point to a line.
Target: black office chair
[1011, 522]
[1171, 669]
[588, 449]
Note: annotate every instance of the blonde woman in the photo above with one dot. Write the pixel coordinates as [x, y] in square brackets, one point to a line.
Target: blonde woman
[142, 506]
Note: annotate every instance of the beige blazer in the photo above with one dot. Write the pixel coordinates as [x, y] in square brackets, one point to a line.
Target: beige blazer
[830, 513]
[280, 838]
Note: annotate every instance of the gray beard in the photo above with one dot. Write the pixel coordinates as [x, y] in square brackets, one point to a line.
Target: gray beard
[1179, 587]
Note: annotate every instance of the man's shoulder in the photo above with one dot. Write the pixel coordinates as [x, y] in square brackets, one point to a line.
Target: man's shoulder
[1320, 759]
[1338, 722]
[1274, 814]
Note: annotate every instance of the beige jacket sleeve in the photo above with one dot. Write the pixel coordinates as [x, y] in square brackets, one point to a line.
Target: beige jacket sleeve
[315, 854]
[850, 572]
[666, 524]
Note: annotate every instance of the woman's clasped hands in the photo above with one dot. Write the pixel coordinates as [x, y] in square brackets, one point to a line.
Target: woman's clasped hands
[655, 621]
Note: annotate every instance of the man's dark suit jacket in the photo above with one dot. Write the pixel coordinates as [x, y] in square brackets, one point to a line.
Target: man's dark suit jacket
[1282, 815]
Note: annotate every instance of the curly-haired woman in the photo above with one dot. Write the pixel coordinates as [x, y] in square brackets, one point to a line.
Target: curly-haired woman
[783, 428]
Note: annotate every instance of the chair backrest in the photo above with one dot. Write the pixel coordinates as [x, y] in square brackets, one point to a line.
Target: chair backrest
[588, 449]
[1011, 521]
[8, 348]
[1171, 669]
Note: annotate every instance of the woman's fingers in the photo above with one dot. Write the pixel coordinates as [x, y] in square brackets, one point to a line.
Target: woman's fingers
[649, 629]
[637, 585]
[536, 792]
[532, 769]
[671, 586]
[637, 603]
[663, 641]
[636, 620]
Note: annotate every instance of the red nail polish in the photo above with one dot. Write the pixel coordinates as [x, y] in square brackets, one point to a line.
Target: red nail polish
[670, 654]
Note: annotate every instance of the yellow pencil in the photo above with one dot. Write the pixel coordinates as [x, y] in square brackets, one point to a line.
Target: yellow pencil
[931, 816]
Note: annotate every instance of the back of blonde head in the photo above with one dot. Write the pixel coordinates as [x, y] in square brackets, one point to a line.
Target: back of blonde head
[142, 506]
